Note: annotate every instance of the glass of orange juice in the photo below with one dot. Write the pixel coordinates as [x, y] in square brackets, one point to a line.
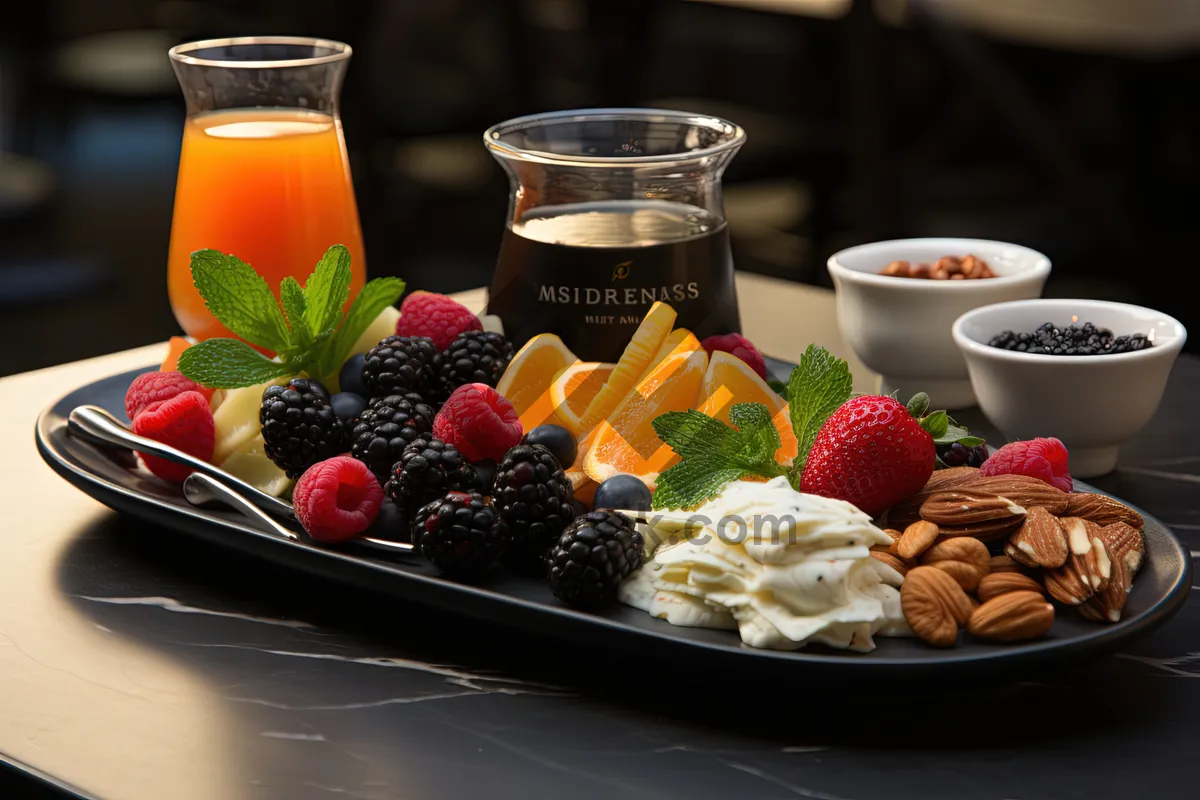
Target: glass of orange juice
[263, 173]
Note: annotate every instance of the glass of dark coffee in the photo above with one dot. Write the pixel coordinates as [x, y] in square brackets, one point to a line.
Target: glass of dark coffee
[610, 211]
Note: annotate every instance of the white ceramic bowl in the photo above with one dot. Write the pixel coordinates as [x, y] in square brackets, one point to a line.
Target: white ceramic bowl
[1092, 403]
[900, 327]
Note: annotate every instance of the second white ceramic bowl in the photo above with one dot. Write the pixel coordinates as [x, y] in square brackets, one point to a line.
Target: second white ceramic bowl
[1091, 403]
[900, 327]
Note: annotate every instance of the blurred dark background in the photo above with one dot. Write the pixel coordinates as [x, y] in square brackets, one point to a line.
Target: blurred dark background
[1070, 126]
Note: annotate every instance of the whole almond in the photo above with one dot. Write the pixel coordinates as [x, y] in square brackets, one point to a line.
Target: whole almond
[966, 506]
[891, 560]
[916, 539]
[1088, 569]
[1124, 543]
[998, 583]
[1107, 605]
[1012, 617]
[934, 606]
[965, 559]
[1004, 564]
[1039, 542]
[1023, 491]
[1102, 510]
[990, 531]
[908, 511]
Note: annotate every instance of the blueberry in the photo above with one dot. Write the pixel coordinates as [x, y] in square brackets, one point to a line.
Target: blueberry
[391, 524]
[351, 376]
[485, 473]
[347, 405]
[558, 440]
[622, 491]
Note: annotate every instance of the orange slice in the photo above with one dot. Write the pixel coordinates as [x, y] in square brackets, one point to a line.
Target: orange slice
[174, 347]
[584, 487]
[680, 338]
[573, 391]
[730, 381]
[526, 382]
[639, 353]
[626, 441]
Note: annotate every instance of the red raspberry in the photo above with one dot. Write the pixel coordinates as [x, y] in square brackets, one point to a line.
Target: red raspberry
[737, 345]
[478, 421]
[435, 316]
[154, 387]
[1044, 459]
[184, 422]
[337, 499]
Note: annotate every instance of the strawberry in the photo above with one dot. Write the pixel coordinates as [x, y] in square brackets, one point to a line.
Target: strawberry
[871, 452]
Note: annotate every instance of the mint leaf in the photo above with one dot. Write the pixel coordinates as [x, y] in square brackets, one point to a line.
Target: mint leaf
[819, 385]
[239, 297]
[374, 298]
[229, 364]
[955, 433]
[327, 289]
[295, 307]
[937, 424]
[918, 405]
[714, 453]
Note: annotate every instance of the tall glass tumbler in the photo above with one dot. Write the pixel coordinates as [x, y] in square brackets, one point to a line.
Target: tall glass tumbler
[263, 173]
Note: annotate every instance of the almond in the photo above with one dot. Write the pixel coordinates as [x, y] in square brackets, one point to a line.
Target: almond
[907, 512]
[934, 606]
[1023, 491]
[965, 559]
[1004, 564]
[1039, 542]
[916, 539]
[1124, 543]
[983, 531]
[891, 560]
[968, 507]
[998, 583]
[1106, 605]
[1101, 509]
[1012, 617]
[1088, 569]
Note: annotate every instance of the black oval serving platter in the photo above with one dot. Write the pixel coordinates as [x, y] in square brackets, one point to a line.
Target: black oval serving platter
[114, 478]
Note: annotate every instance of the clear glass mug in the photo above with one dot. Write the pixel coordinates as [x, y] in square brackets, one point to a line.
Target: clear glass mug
[263, 171]
[611, 210]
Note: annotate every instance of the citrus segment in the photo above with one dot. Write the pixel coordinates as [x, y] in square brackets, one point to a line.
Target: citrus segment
[645, 343]
[175, 347]
[573, 390]
[526, 382]
[730, 381]
[678, 338]
[626, 441]
[584, 488]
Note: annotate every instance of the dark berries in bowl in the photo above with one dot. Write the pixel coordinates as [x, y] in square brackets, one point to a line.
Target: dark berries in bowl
[957, 455]
[592, 556]
[622, 491]
[558, 440]
[1071, 340]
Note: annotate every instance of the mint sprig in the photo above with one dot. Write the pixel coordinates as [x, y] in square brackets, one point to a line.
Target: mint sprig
[309, 334]
[714, 453]
[819, 385]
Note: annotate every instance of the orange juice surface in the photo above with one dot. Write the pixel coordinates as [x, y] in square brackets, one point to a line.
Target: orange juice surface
[270, 186]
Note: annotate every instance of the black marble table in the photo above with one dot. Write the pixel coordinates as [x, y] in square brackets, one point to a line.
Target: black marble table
[136, 663]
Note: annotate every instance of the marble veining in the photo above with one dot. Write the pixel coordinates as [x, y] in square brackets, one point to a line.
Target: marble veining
[295, 737]
[1172, 665]
[799, 791]
[171, 604]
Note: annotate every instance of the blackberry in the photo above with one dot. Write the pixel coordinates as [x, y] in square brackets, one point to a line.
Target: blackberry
[534, 499]
[299, 426]
[426, 470]
[388, 425]
[1072, 340]
[473, 357]
[458, 534]
[592, 556]
[398, 365]
[957, 455]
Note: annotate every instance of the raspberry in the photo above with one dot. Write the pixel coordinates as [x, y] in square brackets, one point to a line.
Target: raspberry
[737, 345]
[184, 422]
[1044, 459]
[154, 387]
[478, 421]
[435, 316]
[337, 499]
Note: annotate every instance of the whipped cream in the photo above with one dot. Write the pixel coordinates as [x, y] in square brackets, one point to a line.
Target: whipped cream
[781, 567]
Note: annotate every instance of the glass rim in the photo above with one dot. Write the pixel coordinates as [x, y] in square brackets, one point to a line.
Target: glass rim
[491, 137]
[180, 53]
